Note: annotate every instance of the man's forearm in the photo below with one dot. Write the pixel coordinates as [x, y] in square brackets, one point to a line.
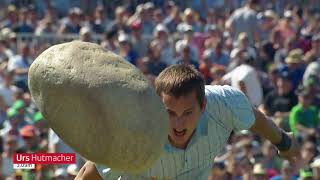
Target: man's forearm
[266, 128]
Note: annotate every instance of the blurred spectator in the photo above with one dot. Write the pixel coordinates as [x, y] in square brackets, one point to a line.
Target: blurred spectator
[315, 165]
[287, 172]
[139, 43]
[72, 24]
[110, 41]
[245, 20]
[7, 89]
[245, 78]
[308, 152]
[161, 34]
[186, 56]
[304, 118]
[218, 171]
[100, 22]
[153, 58]
[24, 25]
[60, 174]
[281, 36]
[280, 101]
[243, 45]
[216, 73]
[295, 66]
[126, 50]
[72, 171]
[281, 54]
[85, 34]
[189, 19]
[20, 64]
[10, 147]
[259, 172]
[173, 18]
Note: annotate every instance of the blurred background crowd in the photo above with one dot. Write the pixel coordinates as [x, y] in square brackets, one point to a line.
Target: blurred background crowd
[269, 49]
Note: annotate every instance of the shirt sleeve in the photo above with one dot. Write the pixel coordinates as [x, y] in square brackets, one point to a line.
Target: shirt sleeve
[230, 106]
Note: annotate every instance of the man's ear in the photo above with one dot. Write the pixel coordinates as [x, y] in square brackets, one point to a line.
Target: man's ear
[203, 105]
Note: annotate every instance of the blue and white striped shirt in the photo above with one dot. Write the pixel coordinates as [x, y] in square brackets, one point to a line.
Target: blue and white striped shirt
[227, 109]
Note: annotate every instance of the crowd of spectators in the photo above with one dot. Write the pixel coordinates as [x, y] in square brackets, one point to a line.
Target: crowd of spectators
[270, 50]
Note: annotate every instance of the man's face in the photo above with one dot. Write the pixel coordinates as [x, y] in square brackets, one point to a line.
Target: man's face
[184, 114]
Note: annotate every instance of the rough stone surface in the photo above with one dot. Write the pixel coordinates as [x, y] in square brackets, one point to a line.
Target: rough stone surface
[100, 105]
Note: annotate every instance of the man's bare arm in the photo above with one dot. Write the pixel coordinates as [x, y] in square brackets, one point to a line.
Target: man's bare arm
[266, 128]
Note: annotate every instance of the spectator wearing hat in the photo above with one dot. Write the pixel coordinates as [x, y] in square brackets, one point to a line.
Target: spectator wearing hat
[85, 34]
[245, 20]
[267, 20]
[188, 38]
[126, 50]
[186, 56]
[189, 18]
[295, 66]
[281, 100]
[243, 45]
[161, 34]
[285, 25]
[304, 117]
[259, 172]
[30, 136]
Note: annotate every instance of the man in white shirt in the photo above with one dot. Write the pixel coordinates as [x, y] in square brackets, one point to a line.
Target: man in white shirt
[201, 119]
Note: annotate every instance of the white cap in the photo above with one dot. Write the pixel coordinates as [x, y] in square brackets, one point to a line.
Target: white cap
[187, 28]
[123, 37]
[161, 27]
[207, 53]
[315, 163]
[288, 14]
[72, 169]
[60, 172]
[85, 30]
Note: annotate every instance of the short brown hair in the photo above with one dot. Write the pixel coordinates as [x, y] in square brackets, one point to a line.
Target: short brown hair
[179, 80]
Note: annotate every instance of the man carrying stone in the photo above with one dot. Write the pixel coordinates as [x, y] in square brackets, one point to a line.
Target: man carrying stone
[201, 118]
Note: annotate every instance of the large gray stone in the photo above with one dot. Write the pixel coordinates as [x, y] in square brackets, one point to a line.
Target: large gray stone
[100, 105]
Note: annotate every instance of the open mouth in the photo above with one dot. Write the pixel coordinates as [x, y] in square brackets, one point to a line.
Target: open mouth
[179, 133]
